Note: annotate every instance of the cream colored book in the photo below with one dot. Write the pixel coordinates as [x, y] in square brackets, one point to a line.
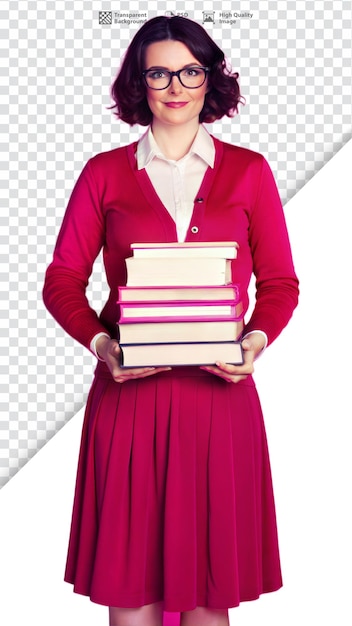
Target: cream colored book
[200, 249]
[177, 271]
[163, 354]
[184, 332]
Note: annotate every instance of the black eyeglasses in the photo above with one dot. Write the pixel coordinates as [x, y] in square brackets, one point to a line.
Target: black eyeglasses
[189, 77]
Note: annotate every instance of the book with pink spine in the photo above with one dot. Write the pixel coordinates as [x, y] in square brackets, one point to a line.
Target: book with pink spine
[166, 293]
[180, 311]
[183, 332]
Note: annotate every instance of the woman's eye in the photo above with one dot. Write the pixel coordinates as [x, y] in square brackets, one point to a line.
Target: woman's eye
[193, 72]
[157, 74]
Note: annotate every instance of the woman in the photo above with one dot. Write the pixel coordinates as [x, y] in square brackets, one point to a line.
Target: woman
[173, 508]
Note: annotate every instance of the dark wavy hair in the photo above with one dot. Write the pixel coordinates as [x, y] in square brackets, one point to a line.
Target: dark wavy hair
[128, 91]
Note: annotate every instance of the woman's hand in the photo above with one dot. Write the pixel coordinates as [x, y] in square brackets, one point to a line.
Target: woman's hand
[252, 346]
[109, 350]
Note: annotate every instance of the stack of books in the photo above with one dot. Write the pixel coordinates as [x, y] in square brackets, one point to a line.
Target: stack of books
[179, 306]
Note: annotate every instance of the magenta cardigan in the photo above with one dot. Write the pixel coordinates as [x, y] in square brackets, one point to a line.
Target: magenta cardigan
[113, 204]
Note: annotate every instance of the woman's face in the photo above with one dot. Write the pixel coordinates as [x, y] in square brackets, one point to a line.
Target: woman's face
[175, 105]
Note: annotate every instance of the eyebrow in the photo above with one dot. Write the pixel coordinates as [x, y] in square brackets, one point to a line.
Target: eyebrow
[184, 67]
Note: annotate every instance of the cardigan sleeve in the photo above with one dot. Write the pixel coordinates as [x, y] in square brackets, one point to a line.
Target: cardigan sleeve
[276, 281]
[80, 239]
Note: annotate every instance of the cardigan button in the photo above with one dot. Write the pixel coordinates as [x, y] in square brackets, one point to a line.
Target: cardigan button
[199, 200]
[194, 229]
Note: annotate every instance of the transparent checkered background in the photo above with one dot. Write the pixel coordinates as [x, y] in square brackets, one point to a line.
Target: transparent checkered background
[295, 62]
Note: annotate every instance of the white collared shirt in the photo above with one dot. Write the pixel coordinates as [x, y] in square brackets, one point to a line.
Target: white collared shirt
[177, 182]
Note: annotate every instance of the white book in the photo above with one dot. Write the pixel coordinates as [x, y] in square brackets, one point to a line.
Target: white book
[184, 332]
[198, 249]
[177, 271]
[162, 354]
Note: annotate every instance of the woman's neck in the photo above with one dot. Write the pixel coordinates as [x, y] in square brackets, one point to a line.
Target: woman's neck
[174, 141]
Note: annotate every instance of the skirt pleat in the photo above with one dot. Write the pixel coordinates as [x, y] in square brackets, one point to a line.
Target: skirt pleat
[174, 498]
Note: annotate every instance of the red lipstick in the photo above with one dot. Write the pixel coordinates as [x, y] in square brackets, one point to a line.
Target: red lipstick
[175, 105]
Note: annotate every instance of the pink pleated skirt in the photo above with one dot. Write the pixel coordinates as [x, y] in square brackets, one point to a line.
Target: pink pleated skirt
[174, 498]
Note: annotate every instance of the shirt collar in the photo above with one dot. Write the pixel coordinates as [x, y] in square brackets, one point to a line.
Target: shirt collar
[148, 149]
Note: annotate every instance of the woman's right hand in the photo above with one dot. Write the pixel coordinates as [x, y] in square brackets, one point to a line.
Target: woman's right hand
[110, 351]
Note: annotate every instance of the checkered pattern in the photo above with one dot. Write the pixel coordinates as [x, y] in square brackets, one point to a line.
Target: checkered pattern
[105, 17]
[294, 60]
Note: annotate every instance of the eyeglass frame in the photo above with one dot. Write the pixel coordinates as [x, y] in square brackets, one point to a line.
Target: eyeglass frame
[177, 73]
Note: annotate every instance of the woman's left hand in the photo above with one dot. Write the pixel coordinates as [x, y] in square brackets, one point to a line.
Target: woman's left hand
[252, 346]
